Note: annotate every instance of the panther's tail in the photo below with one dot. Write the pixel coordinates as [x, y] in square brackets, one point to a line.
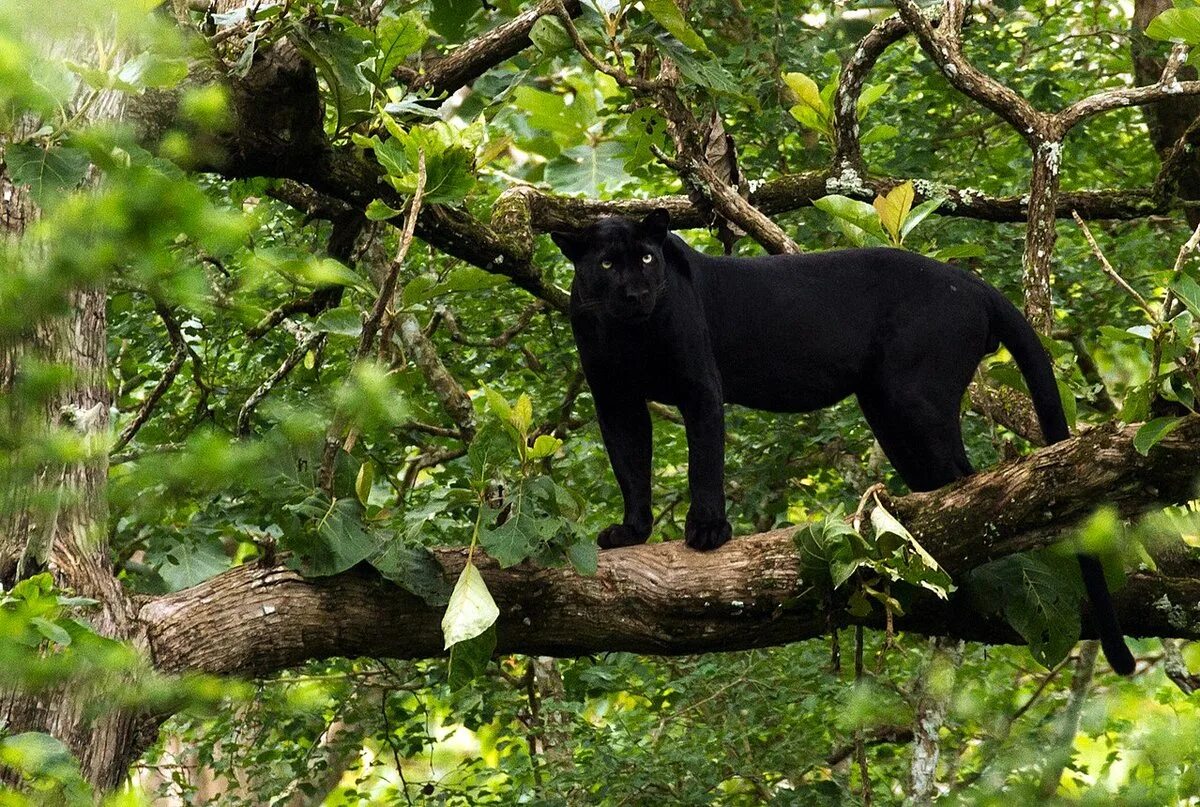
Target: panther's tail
[1021, 340]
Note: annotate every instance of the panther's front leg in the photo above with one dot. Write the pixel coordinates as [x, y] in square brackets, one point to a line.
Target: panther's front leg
[625, 427]
[704, 418]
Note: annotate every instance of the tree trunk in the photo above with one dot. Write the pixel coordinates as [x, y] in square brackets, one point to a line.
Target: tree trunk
[69, 537]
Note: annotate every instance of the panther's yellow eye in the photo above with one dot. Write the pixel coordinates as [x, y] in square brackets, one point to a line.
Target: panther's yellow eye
[606, 264]
[647, 258]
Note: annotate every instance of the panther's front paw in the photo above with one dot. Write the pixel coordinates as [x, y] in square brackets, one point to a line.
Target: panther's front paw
[615, 535]
[705, 535]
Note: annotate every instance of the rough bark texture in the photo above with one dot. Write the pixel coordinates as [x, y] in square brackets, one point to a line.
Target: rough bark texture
[68, 539]
[666, 598]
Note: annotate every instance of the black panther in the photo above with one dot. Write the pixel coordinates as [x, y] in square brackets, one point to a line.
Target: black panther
[655, 320]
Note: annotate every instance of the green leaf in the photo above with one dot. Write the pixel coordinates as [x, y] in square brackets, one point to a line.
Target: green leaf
[810, 109]
[549, 35]
[340, 321]
[1136, 405]
[522, 414]
[149, 69]
[907, 561]
[919, 214]
[857, 219]
[830, 548]
[46, 171]
[1177, 25]
[667, 14]
[472, 278]
[704, 70]
[332, 272]
[589, 170]
[378, 210]
[549, 112]
[364, 481]
[1151, 433]
[961, 251]
[1039, 599]
[544, 446]
[869, 95]
[471, 610]
[584, 556]
[469, 659]
[190, 562]
[414, 568]
[392, 155]
[338, 56]
[55, 633]
[328, 539]
[878, 133]
[1188, 292]
[450, 17]
[397, 38]
[513, 541]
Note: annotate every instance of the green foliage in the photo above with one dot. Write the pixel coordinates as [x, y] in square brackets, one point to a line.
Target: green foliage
[887, 221]
[836, 551]
[192, 494]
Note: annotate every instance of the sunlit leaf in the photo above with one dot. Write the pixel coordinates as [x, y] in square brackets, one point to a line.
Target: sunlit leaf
[471, 610]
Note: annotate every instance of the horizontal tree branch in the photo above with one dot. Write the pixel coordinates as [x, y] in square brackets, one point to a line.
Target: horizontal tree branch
[665, 598]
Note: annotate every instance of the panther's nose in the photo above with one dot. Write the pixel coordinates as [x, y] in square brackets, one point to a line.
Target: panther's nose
[637, 296]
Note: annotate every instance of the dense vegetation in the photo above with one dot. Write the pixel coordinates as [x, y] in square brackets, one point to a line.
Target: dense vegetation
[276, 298]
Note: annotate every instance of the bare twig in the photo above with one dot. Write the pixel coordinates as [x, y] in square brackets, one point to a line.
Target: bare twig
[1111, 272]
[309, 343]
[164, 382]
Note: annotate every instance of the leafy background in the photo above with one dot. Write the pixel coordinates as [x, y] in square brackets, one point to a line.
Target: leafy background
[192, 494]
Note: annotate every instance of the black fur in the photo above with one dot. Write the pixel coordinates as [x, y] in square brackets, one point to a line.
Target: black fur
[789, 333]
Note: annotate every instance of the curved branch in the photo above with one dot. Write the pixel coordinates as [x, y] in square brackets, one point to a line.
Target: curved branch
[472, 59]
[666, 598]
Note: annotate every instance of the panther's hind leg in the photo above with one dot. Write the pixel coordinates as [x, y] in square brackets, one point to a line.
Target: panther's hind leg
[922, 438]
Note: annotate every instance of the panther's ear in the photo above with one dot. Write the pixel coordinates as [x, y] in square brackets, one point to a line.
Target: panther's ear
[571, 245]
[656, 225]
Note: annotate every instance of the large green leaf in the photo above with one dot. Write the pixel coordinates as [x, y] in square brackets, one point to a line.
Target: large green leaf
[469, 658]
[857, 219]
[329, 538]
[589, 170]
[667, 14]
[47, 171]
[413, 568]
[1038, 596]
[190, 562]
[1150, 434]
[397, 38]
[450, 17]
[1176, 24]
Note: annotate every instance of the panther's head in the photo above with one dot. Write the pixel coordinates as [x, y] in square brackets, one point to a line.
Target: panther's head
[619, 263]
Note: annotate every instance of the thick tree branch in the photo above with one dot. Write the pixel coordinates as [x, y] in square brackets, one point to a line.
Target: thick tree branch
[472, 59]
[666, 598]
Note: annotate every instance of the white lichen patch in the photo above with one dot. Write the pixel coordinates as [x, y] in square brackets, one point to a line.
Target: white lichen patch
[1050, 153]
[847, 182]
[755, 184]
[1176, 615]
[951, 70]
[1174, 88]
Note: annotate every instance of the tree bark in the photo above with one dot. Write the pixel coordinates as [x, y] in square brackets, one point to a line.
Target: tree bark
[667, 599]
[68, 538]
